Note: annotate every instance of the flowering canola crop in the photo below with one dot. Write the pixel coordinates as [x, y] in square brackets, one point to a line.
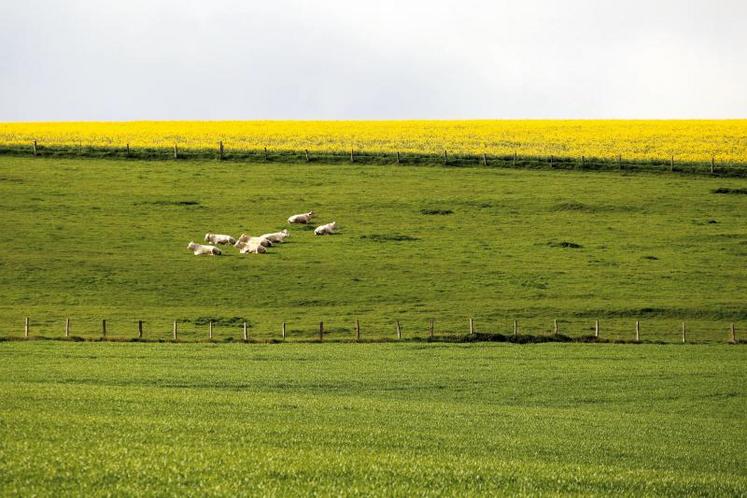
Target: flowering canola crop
[725, 140]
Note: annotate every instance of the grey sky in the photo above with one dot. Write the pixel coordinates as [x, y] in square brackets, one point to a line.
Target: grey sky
[342, 59]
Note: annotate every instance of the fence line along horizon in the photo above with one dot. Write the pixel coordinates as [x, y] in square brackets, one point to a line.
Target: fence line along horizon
[514, 160]
[635, 140]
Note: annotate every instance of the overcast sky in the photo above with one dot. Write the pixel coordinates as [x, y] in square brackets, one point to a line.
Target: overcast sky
[380, 59]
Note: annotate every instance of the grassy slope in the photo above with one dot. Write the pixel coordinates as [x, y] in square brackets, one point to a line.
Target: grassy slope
[96, 239]
[381, 419]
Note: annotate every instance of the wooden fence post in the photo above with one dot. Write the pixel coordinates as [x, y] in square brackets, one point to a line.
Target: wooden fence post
[555, 327]
[210, 330]
[399, 330]
[26, 327]
[733, 334]
[397, 157]
[484, 159]
[175, 331]
[684, 333]
[446, 158]
[67, 327]
[619, 161]
[671, 163]
[127, 151]
[321, 331]
[139, 329]
[306, 151]
[283, 331]
[514, 162]
[431, 327]
[471, 327]
[265, 153]
[34, 147]
[220, 149]
[176, 152]
[713, 164]
[352, 160]
[245, 334]
[596, 328]
[357, 330]
[103, 329]
[516, 327]
[551, 161]
[583, 162]
[637, 331]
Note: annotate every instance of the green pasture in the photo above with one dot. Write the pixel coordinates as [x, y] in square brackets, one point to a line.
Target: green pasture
[93, 239]
[103, 419]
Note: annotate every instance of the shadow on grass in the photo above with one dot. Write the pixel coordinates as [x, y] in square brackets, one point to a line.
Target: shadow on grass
[477, 337]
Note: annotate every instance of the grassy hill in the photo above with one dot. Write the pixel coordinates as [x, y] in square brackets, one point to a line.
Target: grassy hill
[93, 239]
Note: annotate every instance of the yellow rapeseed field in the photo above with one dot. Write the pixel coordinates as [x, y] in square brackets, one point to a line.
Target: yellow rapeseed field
[726, 140]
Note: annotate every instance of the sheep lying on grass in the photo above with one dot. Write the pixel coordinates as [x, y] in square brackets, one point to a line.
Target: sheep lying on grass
[203, 250]
[255, 245]
[327, 229]
[301, 218]
[244, 239]
[276, 237]
[247, 244]
[216, 238]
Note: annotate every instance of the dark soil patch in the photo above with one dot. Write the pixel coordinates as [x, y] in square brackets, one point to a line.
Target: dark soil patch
[436, 211]
[385, 237]
[565, 245]
[734, 191]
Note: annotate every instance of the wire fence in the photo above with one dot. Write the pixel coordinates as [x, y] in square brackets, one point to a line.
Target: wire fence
[715, 166]
[663, 331]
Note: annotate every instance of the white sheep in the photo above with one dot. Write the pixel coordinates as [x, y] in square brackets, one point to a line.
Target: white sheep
[276, 236]
[253, 245]
[302, 218]
[244, 239]
[216, 238]
[203, 250]
[327, 229]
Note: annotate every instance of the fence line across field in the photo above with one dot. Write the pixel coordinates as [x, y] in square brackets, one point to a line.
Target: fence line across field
[221, 152]
[430, 327]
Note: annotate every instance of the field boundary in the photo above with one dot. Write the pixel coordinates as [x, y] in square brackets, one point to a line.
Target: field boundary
[221, 153]
[322, 334]
[451, 339]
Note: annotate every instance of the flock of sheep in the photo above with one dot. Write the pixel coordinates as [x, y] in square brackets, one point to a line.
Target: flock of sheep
[247, 244]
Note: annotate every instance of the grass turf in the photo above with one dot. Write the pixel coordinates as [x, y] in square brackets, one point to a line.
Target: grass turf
[377, 419]
[104, 239]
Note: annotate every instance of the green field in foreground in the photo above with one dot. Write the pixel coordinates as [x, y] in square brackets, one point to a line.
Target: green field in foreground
[105, 239]
[374, 419]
